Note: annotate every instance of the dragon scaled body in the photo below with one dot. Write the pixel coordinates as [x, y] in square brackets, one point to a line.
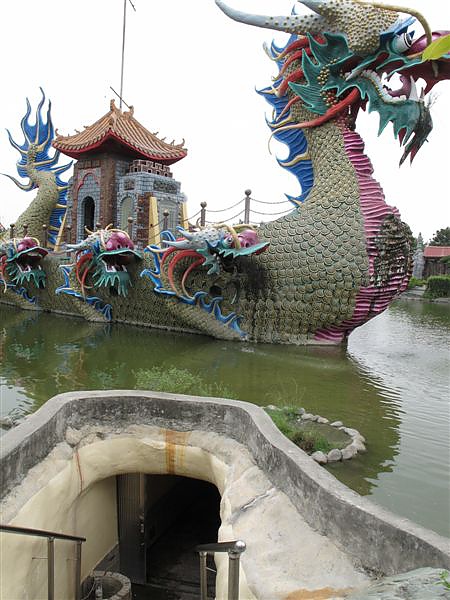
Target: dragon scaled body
[43, 173]
[338, 259]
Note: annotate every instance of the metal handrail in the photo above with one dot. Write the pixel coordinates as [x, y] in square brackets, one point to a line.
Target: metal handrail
[41, 533]
[234, 549]
[51, 537]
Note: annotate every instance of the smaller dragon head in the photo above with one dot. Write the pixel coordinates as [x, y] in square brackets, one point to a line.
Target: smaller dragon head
[104, 256]
[20, 262]
[220, 244]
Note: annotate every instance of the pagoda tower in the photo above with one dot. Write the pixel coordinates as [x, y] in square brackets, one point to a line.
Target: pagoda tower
[122, 176]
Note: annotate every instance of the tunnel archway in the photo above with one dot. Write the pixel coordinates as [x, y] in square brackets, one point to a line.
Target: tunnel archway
[161, 518]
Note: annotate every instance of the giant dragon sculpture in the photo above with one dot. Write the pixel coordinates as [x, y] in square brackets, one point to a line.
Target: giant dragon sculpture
[342, 255]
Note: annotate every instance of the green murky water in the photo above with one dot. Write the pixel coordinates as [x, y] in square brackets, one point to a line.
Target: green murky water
[391, 383]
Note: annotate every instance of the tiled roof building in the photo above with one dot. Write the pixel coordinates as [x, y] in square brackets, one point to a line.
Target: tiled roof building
[119, 132]
[434, 263]
[122, 173]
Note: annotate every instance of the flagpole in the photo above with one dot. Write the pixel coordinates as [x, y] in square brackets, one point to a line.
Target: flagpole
[123, 46]
[123, 49]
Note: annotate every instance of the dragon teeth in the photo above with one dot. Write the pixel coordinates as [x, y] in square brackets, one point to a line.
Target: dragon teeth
[375, 79]
[413, 93]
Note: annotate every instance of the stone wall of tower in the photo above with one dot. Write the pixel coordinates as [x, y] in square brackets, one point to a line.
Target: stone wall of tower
[140, 187]
[109, 180]
[86, 182]
[95, 177]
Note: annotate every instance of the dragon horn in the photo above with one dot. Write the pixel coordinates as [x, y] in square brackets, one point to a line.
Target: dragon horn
[177, 244]
[78, 246]
[187, 234]
[290, 23]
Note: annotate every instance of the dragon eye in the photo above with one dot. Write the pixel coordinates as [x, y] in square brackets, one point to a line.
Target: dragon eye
[403, 42]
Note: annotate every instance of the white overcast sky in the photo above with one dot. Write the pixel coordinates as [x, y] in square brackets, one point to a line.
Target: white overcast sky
[191, 73]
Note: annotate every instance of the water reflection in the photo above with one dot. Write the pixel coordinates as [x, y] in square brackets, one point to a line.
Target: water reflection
[404, 354]
[43, 355]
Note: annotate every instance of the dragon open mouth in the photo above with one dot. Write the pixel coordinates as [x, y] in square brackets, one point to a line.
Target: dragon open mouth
[408, 90]
[20, 262]
[112, 269]
[26, 268]
[104, 257]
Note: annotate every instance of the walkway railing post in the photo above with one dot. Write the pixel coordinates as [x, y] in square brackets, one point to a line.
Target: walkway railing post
[44, 236]
[165, 220]
[247, 206]
[234, 550]
[51, 568]
[234, 556]
[203, 576]
[11, 231]
[77, 590]
[203, 214]
[130, 227]
[25, 230]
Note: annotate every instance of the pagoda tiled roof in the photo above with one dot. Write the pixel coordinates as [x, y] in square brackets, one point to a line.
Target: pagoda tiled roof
[121, 132]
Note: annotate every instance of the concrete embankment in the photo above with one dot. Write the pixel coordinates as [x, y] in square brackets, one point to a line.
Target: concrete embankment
[305, 531]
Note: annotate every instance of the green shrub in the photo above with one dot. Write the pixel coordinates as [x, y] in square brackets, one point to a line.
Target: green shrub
[438, 286]
[308, 441]
[282, 422]
[179, 381]
[311, 442]
[416, 282]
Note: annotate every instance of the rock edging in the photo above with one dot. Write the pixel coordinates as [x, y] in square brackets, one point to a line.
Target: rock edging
[357, 444]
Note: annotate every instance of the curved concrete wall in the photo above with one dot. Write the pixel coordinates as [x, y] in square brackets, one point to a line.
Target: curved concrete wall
[373, 538]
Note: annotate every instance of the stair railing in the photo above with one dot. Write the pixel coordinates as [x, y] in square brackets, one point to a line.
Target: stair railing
[51, 537]
[234, 549]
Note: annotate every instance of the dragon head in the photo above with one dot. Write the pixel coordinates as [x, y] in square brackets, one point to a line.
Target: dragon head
[20, 262]
[220, 244]
[105, 255]
[341, 59]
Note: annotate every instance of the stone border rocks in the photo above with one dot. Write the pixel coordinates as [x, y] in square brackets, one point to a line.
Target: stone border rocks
[357, 444]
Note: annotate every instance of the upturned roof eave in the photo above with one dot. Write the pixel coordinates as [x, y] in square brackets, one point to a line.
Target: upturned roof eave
[138, 153]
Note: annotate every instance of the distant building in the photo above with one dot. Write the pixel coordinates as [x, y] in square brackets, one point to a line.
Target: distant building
[434, 265]
[122, 173]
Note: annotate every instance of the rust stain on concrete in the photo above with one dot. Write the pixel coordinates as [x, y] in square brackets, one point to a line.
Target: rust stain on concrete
[175, 445]
[321, 594]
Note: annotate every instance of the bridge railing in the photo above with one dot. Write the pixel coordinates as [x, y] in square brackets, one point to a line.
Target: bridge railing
[51, 537]
[246, 213]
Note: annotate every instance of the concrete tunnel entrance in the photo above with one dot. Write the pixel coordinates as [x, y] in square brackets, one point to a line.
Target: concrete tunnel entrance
[161, 518]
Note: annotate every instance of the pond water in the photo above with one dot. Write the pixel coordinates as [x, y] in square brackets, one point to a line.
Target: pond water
[391, 383]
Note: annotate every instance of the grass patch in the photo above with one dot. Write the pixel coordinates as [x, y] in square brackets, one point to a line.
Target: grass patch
[307, 435]
[179, 381]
